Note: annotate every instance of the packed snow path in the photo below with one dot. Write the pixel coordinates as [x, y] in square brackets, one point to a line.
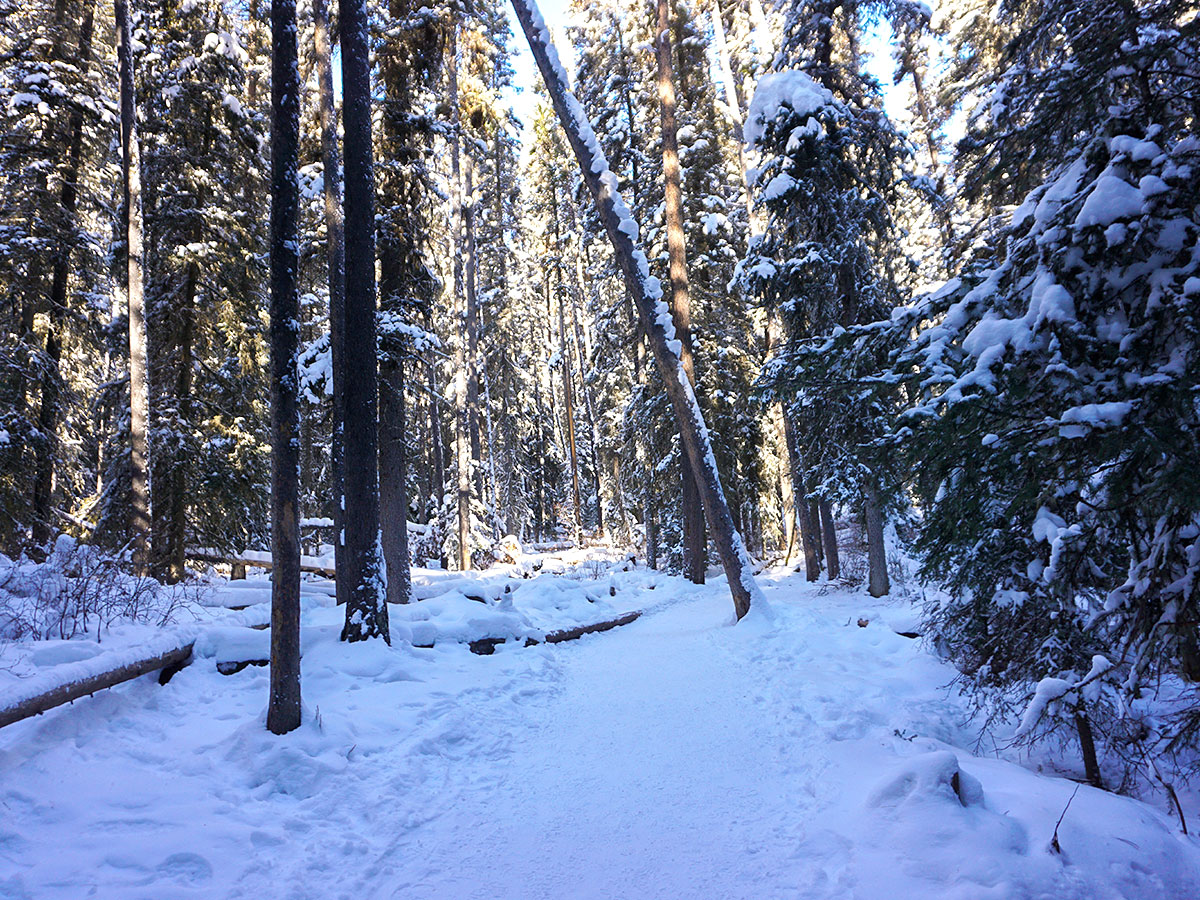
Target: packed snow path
[676, 757]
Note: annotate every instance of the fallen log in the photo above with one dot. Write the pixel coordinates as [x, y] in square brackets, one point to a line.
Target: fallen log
[570, 634]
[233, 666]
[169, 662]
[261, 561]
[487, 646]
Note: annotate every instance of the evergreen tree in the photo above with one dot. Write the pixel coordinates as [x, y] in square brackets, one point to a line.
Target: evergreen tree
[202, 162]
[1055, 379]
[830, 179]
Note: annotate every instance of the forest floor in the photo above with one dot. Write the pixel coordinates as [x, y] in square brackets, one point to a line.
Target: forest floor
[677, 757]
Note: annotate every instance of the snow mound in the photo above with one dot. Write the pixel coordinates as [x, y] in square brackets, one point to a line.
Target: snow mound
[930, 779]
[468, 610]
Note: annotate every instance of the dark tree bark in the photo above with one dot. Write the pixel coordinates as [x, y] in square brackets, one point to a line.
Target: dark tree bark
[471, 323]
[1087, 745]
[406, 63]
[829, 541]
[131, 222]
[877, 578]
[610, 209]
[283, 710]
[800, 505]
[335, 260]
[564, 356]
[366, 606]
[695, 543]
[589, 406]
[436, 445]
[56, 311]
[814, 519]
[462, 426]
[393, 478]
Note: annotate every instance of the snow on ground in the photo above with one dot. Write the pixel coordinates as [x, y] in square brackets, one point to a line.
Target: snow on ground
[676, 757]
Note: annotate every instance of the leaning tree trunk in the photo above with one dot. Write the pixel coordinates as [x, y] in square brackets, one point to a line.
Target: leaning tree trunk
[654, 314]
[131, 222]
[366, 606]
[694, 539]
[335, 261]
[56, 312]
[877, 578]
[283, 710]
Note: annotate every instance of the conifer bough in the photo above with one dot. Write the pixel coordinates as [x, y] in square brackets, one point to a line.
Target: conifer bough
[647, 295]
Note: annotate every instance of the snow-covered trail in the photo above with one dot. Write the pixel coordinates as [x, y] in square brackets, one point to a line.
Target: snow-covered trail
[636, 779]
[676, 757]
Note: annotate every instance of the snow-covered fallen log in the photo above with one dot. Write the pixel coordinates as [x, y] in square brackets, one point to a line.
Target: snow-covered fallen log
[315, 565]
[487, 646]
[169, 653]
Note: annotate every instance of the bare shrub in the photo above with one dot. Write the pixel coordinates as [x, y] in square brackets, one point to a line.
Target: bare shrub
[81, 590]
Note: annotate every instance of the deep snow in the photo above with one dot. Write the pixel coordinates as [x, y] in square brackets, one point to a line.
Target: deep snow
[677, 757]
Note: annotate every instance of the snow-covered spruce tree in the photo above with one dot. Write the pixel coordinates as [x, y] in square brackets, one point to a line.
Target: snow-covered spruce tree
[322, 278]
[203, 171]
[614, 81]
[1057, 428]
[493, 146]
[410, 58]
[725, 333]
[549, 176]
[830, 179]
[54, 118]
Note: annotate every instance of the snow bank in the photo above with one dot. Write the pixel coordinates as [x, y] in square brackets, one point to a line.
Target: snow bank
[676, 757]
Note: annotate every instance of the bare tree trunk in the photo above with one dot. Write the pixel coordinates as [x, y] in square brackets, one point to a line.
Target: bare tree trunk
[808, 528]
[539, 520]
[619, 225]
[1087, 745]
[694, 539]
[828, 529]
[877, 579]
[173, 493]
[435, 441]
[139, 389]
[814, 518]
[584, 387]
[366, 605]
[393, 478]
[283, 710]
[335, 257]
[564, 356]
[462, 453]
[472, 323]
[56, 312]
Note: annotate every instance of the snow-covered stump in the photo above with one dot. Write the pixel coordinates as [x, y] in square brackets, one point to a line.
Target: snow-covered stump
[655, 317]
